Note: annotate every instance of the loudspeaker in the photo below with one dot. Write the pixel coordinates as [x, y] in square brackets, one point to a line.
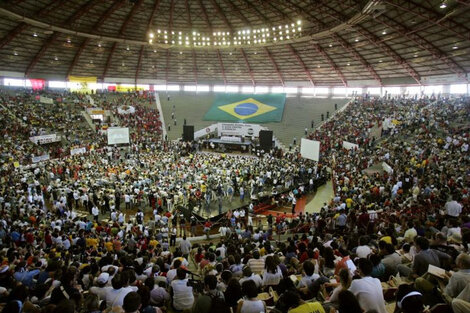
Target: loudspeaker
[188, 132]
[266, 139]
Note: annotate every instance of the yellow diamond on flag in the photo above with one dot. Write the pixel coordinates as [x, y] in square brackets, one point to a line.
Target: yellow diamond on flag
[247, 108]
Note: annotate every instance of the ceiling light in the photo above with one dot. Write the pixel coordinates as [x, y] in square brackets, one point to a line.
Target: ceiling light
[99, 45]
[299, 28]
[330, 45]
[256, 52]
[181, 52]
[35, 34]
[299, 22]
[159, 31]
[127, 48]
[151, 35]
[384, 32]
[15, 53]
[455, 47]
[56, 58]
[380, 61]
[154, 51]
[443, 5]
[416, 55]
[349, 64]
[230, 53]
[356, 40]
[68, 40]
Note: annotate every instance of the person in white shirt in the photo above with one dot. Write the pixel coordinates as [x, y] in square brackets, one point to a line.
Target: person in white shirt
[453, 208]
[248, 275]
[181, 293]
[95, 212]
[368, 290]
[115, 296]
[310, 275]
[363, 250]
[101, 290]
[272, 273]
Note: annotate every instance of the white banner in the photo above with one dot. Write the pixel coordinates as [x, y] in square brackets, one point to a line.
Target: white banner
[350, 145]
[46, 100]
[118, 135]
[310, 149]
[126, 109]
[77, 151]
[238, 129]
[40, 140]
[40, 158]
[205, 131]
[387, 168]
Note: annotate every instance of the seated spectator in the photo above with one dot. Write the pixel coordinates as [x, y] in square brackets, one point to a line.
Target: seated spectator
[181, 293]
[368, 290]
[250, 304]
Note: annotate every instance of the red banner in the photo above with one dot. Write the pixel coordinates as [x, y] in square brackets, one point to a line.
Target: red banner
[37, 84]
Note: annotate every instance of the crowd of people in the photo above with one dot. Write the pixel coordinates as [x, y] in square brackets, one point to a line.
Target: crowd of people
[377, 241]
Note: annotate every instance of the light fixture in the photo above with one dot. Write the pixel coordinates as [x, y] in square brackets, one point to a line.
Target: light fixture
[68, 40]
[181, 52]
[127, 48]
[154, 51]
[416, 55]
[318, 66]
[384, 32]
[299, 22]
[443, 5]
[349, 64]
[15, 53]
[455, 47]
[256, 52]
[230, 53]
[151, 35]
[356, 40]
[330, 45]
[99, 45]
[56, 58]
[35, 34]
[380, 61]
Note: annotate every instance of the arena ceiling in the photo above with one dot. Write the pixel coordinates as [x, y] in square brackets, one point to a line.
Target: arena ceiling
[338, 42]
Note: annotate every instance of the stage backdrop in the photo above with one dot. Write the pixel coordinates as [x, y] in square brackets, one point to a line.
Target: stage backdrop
[247, 108]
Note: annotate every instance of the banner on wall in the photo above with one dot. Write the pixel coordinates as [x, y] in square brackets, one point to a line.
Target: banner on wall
[238, 129]
[81, 84]
[37, 84]
[205, 131]
[82, 79]
[120, 88]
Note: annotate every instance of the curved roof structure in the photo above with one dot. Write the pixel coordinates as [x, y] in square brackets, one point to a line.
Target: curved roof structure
[253, 42]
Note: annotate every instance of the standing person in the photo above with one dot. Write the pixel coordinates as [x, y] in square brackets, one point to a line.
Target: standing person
[95, 212]
[173, 236]
[294, 203]
[185, 246]
[139, 217]
[193, 226]
[127, 200]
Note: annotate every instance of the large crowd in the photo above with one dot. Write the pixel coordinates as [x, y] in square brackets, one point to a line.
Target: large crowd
[395, 235]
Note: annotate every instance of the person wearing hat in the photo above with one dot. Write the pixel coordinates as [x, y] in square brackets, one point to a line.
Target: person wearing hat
[101, 289]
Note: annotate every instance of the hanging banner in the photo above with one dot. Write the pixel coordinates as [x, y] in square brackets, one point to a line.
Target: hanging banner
[46, 100]
[77, 151]
[127, 88]
[82, 79]
[40, 158]
[43, 139]
[37, 84]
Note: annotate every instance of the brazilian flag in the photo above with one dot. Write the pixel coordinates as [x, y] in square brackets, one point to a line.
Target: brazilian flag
[247, 108]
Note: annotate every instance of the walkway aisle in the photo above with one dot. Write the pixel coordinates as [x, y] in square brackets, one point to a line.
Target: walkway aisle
[324, 194]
